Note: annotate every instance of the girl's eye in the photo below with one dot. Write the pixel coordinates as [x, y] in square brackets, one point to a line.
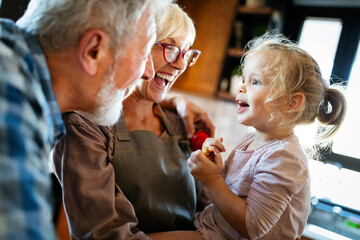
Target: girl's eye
[256, 82]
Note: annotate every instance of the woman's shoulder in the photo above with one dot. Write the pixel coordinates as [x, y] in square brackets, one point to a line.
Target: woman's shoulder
[176, 122]
[173, 116]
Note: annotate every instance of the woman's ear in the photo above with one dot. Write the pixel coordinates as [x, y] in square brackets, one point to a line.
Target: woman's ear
[296, 102]
[92, 47]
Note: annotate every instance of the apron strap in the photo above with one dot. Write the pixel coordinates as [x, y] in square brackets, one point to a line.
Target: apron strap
[165, 121]
[183, 143]
[123, 135]
[121, 131]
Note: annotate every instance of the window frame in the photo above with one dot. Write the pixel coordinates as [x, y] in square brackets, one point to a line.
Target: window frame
[293, 19]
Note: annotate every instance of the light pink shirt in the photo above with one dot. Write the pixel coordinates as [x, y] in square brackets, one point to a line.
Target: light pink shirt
[274, 182]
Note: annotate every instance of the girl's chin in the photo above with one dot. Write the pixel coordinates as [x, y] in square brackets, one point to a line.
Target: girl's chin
[243, 121]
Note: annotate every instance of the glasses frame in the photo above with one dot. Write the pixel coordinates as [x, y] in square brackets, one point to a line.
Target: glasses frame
[181, 53]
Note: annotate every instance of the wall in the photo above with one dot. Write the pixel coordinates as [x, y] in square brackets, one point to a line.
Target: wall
[213, 21]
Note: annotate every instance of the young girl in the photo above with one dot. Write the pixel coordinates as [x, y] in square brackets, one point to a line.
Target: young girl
[263, 191]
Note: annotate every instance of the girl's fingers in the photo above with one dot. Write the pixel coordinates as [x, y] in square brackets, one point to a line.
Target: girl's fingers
[192, 165]
[194, 159]
[216, 144]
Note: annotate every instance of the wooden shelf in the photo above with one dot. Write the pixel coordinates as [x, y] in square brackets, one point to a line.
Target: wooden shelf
[255, 10]
[248, 23]
[236, 52]
[203, 77]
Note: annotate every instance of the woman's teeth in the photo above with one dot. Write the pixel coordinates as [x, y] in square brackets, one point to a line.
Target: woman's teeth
[166, 77]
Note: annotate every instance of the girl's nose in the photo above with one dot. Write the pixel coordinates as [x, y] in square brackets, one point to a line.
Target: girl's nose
[241, 87]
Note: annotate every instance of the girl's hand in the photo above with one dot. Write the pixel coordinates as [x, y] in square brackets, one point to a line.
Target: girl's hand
[202, 168]
[216, 144]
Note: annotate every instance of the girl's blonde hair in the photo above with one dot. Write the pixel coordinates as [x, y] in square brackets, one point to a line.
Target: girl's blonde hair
[293, 70]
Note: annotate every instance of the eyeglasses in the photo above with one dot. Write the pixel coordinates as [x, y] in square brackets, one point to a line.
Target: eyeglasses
[171, 53]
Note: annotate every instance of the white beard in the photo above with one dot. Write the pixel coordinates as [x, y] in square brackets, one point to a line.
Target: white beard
[110, 104]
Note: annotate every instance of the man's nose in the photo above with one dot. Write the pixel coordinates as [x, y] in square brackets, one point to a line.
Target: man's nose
[149, 69]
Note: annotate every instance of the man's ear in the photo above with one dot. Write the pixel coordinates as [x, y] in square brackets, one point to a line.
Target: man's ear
[92, 47]
[296, 102]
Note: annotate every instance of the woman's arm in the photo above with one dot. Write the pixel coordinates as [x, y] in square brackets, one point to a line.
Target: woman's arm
[194, 117]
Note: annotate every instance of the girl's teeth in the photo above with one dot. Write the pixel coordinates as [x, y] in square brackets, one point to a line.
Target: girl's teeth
[242, 104]
[166, 77]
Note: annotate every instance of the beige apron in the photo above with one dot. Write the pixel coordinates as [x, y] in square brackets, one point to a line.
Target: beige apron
[154, 176]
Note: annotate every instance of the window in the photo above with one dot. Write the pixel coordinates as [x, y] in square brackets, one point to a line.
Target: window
[320, 37]
[317, 35]
[346, 141]
[329, 30]
[336, 199]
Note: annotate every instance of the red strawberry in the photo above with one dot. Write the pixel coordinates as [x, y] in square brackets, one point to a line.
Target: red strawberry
[197, 140]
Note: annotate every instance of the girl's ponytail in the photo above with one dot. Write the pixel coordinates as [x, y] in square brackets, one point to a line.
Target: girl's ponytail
[331, 113]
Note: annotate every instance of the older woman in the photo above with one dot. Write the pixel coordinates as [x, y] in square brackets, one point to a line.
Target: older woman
[136, 171]
[150, 166]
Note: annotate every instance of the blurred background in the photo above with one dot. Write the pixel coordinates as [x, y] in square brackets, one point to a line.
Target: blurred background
[329, 30]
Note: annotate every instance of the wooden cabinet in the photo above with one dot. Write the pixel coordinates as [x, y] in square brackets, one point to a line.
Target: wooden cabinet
[248, 23]
[217, 24]
[213, 21]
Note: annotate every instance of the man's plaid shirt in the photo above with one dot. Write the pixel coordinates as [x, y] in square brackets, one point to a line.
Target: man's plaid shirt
[30, 124]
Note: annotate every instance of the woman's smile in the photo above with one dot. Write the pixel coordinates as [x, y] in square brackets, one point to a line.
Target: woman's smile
[163, 79]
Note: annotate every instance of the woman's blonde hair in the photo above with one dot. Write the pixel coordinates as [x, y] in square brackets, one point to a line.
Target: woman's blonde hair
[293, 70]
[172, 22]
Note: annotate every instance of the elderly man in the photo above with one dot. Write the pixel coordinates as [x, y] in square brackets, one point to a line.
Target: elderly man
[62, 55]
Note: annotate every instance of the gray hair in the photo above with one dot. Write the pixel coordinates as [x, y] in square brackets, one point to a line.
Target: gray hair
[60, 24]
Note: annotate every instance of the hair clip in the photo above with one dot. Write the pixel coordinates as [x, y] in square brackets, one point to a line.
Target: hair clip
[325, 83]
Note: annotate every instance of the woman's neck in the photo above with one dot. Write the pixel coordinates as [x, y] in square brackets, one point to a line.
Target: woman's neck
[135, 104]
[139, 114]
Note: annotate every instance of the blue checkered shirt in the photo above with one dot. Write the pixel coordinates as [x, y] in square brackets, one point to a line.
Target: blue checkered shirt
[30, 124]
